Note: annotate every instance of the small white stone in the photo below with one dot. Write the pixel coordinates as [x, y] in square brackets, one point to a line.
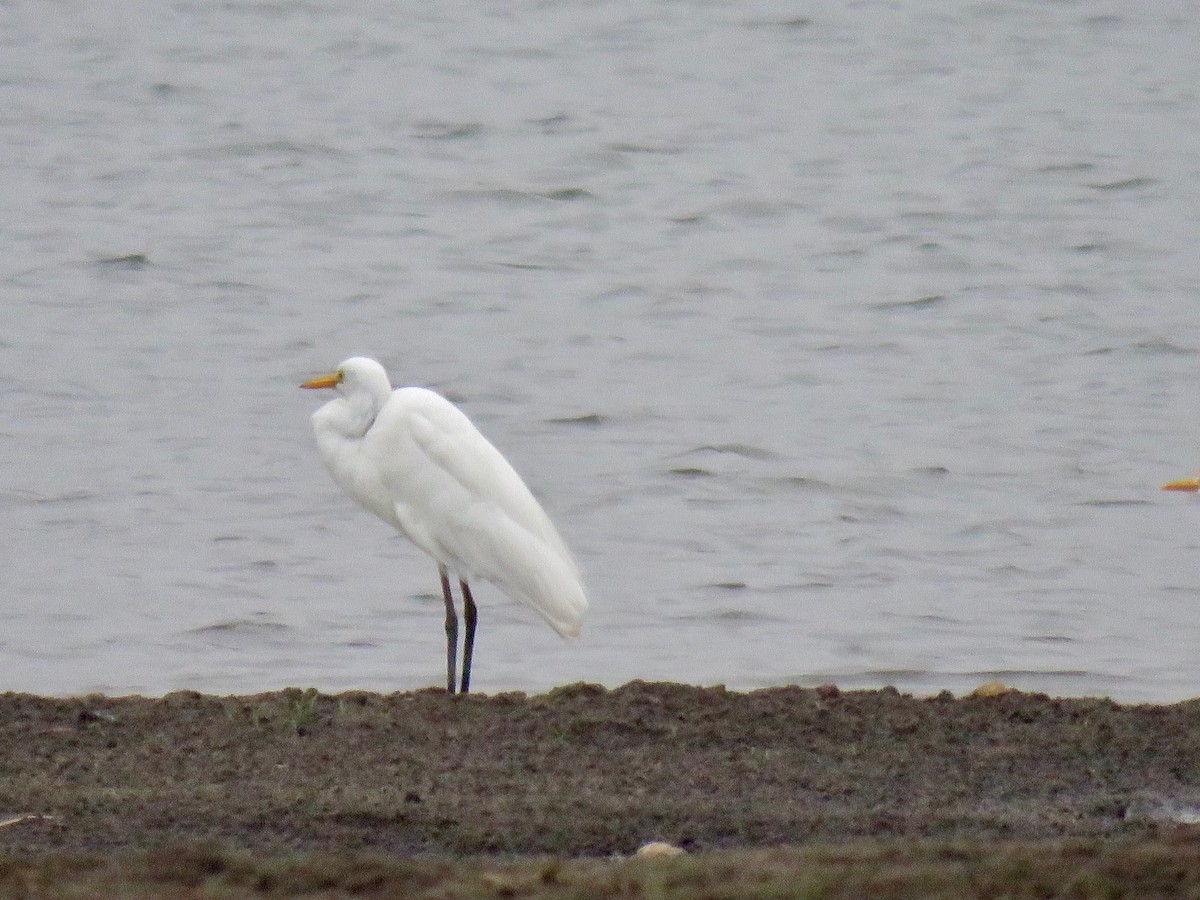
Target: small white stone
[659, 849]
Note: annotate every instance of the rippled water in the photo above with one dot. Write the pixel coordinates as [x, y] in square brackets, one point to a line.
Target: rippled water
[843, 344]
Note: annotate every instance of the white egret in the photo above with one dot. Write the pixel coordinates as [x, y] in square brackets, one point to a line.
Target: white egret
[415, 460]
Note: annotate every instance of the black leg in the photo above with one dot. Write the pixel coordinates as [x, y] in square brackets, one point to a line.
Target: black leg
[451, 629]
[469, 617]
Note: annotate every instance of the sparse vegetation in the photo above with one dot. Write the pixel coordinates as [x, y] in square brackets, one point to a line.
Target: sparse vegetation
[785, 792]
[1165, 866]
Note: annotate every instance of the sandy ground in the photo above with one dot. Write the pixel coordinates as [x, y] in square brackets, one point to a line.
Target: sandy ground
[583, 773]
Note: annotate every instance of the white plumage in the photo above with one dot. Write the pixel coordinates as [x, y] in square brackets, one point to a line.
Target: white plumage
[415, 460]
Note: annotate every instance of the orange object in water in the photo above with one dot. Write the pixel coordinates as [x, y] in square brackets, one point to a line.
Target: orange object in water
[1184, 484]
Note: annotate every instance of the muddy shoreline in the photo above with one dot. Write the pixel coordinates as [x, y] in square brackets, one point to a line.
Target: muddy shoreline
[585, 771]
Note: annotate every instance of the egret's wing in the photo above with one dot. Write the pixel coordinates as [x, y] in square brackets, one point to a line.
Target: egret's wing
[459, 499]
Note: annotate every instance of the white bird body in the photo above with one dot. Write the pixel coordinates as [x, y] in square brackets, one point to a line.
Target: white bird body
[416, 461]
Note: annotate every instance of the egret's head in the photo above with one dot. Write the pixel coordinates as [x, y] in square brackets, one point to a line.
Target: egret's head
[356, 374]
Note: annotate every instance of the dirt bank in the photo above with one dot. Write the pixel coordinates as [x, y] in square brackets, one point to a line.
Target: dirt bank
[584, 771]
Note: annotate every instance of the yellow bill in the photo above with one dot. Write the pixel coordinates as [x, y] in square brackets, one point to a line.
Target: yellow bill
[333, 379]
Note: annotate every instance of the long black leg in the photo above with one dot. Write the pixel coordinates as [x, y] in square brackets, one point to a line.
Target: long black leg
[451, 629]
[469, 617]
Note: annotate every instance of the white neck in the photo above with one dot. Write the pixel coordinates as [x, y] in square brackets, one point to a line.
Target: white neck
[347, 418]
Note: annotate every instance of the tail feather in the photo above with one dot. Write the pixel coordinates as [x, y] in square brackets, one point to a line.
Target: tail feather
[531, 570]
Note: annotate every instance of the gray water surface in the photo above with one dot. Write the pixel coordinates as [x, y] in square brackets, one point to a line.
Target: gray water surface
[844, 344]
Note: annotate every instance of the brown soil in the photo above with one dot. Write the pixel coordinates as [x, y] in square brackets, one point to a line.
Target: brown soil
[582, 772]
